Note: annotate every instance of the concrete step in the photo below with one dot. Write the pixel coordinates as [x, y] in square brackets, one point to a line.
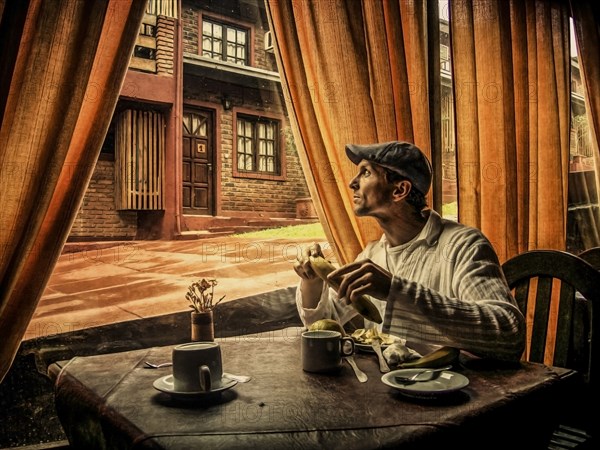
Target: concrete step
[202, 234]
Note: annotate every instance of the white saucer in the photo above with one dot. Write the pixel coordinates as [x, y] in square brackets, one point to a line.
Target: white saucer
[446, 382]
[165, 384]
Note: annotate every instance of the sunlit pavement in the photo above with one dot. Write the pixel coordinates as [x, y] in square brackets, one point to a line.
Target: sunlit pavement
[101, 283]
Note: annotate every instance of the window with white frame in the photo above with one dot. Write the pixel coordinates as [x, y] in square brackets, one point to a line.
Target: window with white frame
[224, 41]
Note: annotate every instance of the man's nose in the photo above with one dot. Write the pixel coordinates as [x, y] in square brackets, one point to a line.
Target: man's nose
[353, 183]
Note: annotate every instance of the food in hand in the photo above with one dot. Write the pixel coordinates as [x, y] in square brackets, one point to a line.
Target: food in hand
[327, 324]
[441, 357]
[362, 304]
[362, 336]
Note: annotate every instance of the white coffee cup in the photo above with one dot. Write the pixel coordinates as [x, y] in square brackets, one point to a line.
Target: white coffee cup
[197, 367]
[322, 350]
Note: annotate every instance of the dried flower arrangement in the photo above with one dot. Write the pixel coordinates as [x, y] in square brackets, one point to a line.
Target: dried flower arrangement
[200, 295]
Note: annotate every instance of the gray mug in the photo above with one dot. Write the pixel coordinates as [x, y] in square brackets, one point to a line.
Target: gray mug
[322, 350]
[197, 367]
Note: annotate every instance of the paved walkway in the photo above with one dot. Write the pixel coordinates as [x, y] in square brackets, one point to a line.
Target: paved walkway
[101, 283]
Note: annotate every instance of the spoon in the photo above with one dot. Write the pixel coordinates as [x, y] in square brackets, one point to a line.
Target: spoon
[157, 366]
[376, 344]
[239, 378]
[422, 375]
[362, 377]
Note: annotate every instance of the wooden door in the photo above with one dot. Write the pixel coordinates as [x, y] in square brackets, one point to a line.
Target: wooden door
[198, 155]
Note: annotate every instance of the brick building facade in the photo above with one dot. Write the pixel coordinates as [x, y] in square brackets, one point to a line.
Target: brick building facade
[200, 138]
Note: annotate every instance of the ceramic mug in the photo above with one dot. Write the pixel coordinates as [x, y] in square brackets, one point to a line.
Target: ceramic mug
[197, 367]
[322, 350]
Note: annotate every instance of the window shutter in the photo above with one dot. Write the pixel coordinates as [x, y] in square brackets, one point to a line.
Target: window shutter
[139, 160]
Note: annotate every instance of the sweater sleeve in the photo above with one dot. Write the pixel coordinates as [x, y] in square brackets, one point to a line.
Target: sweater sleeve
[480, 315]
[328, 308]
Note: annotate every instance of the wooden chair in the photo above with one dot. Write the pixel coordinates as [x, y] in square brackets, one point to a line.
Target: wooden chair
[592, 256]
[578, 329]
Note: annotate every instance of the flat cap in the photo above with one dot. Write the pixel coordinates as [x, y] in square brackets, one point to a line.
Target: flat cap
[401, 157]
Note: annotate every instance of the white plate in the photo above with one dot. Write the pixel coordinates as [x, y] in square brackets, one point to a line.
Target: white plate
[368, 347]
[446, 382]
[165, 384]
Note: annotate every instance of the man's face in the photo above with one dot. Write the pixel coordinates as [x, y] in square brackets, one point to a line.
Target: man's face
[372, 193]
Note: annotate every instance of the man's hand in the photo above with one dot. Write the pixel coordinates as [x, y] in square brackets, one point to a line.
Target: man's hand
[362, 277]
[302, 265]
[311, 285]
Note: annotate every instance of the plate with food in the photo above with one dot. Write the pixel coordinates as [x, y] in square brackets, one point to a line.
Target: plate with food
[363, 339]
[439, 383]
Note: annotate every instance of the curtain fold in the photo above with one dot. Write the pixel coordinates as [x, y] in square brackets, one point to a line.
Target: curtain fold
[58, 95]
[353, 72]
[511, 72]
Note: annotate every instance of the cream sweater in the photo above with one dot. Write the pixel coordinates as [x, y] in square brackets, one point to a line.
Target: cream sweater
[447, 289]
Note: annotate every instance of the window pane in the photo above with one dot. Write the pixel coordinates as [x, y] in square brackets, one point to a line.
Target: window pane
[271, 165]
[206, 44]
[230, 50]
[270, 146]
[583, 211]
[262, 164]
[217, 31]
[261, 130]
[206, 28]
[270, 131]
[241, 37]
[231, 35]
[449, 187]
[248, 162]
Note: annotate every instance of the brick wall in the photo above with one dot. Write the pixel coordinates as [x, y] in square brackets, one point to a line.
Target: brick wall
[262, 197]
[165, 37]
[97, 217]
[190, 18]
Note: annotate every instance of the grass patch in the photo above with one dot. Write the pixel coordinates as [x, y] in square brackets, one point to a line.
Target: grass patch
[450, 209]
[308, 231]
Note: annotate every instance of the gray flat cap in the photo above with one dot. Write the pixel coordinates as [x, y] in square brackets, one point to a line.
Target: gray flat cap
[401, 157]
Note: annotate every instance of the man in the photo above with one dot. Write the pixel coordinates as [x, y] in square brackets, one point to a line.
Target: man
[435, 281]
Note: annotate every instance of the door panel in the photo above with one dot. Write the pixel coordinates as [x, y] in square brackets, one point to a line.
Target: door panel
[198, 154]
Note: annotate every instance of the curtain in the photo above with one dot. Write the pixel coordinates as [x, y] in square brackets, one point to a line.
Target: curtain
[511, 71]
[353, 72]
[585, 217]
[63, 63]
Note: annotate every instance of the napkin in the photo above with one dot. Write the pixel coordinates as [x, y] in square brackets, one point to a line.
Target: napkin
[398, 353]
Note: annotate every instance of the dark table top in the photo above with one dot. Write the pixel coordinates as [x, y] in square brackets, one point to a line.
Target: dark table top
[108, 401]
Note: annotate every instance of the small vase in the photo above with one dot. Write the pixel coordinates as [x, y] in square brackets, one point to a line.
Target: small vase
[203, 326]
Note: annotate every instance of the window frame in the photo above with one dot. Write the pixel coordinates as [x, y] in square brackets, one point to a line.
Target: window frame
[227, 22]
[280, 151]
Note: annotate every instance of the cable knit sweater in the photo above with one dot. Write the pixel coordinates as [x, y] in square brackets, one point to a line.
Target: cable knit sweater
[447, 289]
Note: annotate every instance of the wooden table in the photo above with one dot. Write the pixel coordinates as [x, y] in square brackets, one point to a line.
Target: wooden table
[108, 401]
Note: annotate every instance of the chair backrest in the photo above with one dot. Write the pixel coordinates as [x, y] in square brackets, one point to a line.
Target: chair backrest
[578, 327]
[592, 256]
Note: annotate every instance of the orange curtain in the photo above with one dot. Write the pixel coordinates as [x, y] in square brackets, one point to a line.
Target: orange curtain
[511, 72]
[353, 72]
[63, 65]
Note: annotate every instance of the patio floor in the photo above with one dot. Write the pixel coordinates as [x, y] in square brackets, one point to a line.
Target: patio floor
[99, 283]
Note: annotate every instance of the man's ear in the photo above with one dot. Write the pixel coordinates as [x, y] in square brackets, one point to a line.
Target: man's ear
[401, 190]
